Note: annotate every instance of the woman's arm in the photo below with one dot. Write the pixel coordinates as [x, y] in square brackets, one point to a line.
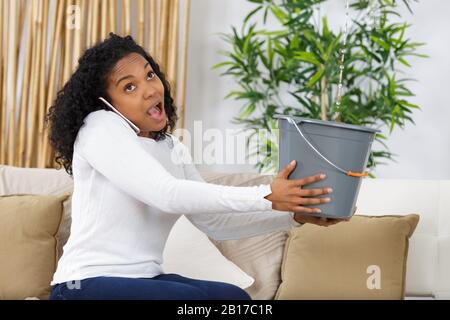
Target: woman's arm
[112, 148]
[233, 225]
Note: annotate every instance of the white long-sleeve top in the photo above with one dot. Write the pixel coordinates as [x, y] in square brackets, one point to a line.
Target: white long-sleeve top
[128, 193]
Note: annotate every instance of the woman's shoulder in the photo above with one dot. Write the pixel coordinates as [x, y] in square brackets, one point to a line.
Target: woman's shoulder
[101, 116]
[103, 123]
[104, 120]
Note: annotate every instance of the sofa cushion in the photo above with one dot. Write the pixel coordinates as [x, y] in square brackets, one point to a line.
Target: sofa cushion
[28, 252]
[40, 181]
[364, 258]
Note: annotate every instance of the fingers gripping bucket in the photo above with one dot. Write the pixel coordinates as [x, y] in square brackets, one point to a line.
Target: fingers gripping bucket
[341, 151]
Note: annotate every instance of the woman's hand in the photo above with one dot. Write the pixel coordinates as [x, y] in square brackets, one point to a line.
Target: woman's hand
[288, 195]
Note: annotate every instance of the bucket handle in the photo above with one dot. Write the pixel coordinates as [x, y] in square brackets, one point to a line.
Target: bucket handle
[346, 172]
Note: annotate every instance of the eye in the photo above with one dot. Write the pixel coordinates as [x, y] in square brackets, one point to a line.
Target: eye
[151, 75]
[129, 87]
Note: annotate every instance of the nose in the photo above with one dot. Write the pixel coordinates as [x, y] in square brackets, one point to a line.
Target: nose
[149, 91]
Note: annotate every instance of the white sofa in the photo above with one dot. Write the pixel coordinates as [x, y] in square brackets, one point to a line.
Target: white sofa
[429, 248]
[429, 251]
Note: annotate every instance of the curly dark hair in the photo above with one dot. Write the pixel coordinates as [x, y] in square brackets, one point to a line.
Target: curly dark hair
[79, 95]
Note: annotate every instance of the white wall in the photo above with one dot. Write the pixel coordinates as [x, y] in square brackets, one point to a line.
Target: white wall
[423, 149]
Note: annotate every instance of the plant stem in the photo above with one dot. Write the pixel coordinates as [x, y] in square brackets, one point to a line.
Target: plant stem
[323, 98]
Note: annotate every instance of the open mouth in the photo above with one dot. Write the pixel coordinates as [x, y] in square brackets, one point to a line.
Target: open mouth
[156, 112]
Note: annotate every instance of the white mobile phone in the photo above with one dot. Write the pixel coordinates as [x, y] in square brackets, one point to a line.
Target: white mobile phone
[135, 128]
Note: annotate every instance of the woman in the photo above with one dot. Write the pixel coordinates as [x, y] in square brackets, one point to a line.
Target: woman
[110, 128]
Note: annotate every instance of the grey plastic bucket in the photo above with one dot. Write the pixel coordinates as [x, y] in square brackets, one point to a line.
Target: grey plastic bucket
[328, 147]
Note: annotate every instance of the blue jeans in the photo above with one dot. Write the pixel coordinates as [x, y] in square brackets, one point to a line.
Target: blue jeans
[161, 287]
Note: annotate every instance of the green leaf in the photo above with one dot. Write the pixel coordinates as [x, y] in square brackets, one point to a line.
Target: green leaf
[403, 28]
[222, 64]
[307, 57]
[316, 77]
[247, 111]
[392, 85]
[411, 105]
[252, 13]
[331, 48]
[270, 52]
[417, 55]
[294, 43]
[232, 94]
[249, 95]
[281, 50]
[391, 128]
[381, 43]
[407, 5]
[414, 45]
[263, 58]
[380, 136]
[312, 37]
[279, 13]
[273, 33]
[266, 10]
[325, 30]
[403, 61]
[370, 53]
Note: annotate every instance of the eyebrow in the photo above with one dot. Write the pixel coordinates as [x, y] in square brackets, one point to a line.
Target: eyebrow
[129, 76]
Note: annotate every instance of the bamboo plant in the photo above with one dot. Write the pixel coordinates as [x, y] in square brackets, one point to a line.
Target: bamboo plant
[293, 68]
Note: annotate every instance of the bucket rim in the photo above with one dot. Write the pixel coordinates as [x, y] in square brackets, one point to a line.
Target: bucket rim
[327, 123]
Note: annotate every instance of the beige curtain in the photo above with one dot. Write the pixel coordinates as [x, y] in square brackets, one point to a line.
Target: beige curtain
[41, 41]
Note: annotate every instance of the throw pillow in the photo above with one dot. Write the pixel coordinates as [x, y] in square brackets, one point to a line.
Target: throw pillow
[40, 181]
[364, 258]
[28, 226]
